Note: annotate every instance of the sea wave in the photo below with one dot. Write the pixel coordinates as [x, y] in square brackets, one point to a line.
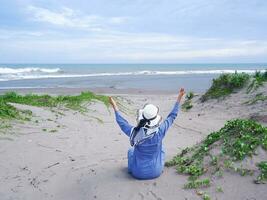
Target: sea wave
[7, 74]
[28, 70]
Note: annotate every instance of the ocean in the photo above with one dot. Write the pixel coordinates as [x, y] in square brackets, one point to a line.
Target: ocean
[154, 77]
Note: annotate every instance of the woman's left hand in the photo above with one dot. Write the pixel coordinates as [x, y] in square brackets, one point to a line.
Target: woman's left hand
[181, 94]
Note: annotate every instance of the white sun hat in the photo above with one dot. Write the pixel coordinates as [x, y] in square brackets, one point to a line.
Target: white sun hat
[150, 112]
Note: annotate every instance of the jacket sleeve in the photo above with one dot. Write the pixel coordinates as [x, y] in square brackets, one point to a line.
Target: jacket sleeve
[123, 123]
[169, 120]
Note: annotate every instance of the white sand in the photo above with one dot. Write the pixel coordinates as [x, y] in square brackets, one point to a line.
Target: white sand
[86, 158]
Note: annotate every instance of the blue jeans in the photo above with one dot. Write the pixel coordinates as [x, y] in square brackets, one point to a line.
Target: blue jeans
[130, 159]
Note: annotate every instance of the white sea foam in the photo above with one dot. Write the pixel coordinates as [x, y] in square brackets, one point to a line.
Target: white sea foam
[27, 70]
[7, 74]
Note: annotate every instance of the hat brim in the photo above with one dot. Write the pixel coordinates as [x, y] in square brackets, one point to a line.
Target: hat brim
[155, 121]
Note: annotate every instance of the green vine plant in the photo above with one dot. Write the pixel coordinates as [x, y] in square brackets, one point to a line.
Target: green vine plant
[222, 151]
[262, 178]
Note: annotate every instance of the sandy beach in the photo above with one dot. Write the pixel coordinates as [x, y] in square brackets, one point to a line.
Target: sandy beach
[64, 154]
[66, 66]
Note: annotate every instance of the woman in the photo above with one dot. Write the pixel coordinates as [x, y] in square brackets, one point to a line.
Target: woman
[146, 157]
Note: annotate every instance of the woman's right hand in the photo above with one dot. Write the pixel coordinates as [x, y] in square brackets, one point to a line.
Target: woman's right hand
[113, 103]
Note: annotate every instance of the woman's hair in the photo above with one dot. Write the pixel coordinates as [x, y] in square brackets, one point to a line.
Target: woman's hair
[141, 124]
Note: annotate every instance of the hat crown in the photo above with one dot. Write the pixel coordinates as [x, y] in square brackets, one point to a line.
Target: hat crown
[150, 111]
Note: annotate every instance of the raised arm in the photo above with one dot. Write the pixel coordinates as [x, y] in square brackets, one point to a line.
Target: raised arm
[123, 123]
[173, 114]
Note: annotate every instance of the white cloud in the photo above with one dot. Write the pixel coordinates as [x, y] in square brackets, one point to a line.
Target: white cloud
[150, 47]
[67, 17]
[117, 20]
[8, 34]
[194, 54]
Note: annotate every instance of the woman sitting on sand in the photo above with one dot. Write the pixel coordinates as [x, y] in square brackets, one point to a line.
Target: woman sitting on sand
[146, 157]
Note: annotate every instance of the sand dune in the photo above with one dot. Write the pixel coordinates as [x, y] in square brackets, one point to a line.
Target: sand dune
[63, 154]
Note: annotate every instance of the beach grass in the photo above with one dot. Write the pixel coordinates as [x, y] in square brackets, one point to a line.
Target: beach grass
[258, 80]
[225, 84]
[234, 142]
[7, 111]
[72, 102]
[187, 105]
[4, 125]
[258, 97]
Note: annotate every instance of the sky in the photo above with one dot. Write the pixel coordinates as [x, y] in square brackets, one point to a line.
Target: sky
[133, 31]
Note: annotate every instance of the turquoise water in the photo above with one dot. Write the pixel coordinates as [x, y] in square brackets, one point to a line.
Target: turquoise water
[165, 77]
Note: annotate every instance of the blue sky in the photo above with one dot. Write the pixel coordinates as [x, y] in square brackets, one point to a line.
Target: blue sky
[133, 31]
